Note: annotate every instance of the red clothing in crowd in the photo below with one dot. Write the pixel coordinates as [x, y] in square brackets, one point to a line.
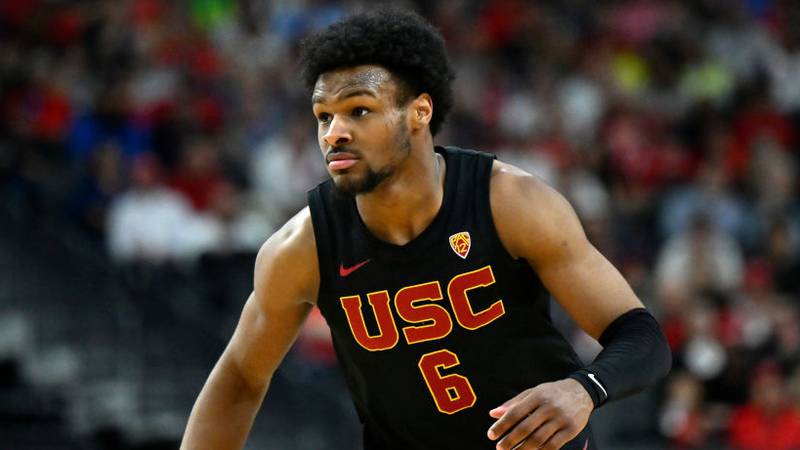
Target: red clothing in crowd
[750, 127]
[199, 189]
[751, 429]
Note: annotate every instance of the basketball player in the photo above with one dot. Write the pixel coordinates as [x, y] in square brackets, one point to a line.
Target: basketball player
[433, 267]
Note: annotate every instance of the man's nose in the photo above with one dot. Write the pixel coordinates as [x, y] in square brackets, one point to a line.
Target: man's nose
[338, 133]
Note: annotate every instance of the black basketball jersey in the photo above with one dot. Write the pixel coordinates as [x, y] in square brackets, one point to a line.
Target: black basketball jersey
[434, 333]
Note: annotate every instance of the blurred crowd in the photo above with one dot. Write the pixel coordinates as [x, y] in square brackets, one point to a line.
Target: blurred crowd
[171, 132]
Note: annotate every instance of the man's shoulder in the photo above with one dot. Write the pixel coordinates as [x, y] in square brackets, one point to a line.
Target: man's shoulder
[290, 252]
[509, 183]
[526, 210]
[294, 239]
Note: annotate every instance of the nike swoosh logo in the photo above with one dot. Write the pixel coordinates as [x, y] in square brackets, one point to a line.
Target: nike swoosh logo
[592, 377]
[345, 271]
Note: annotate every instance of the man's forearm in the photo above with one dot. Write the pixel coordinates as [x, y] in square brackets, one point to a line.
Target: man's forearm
[635, 355]
[224, 411]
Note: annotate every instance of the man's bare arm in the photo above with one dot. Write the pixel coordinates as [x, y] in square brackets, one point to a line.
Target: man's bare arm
[536, 223]
[286, 280]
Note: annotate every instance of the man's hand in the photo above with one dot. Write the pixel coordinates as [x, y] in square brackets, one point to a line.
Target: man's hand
[544, 417]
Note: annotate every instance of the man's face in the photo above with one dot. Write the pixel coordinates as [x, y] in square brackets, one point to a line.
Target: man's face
[362, 132]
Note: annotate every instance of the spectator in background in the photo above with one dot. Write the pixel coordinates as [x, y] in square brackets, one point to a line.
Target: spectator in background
[768, 420]
[109, 120]
[701, 259]
[283, 167]
[235, 228]
[757, 307]
[702, 352]
[781, 58]
[757, 122]
[710, 190]
[683, 418]
[198, 176]
[147, 223]
[787, 340]
[772, 177]
[732, 39]
[238, 224]
[782, 254]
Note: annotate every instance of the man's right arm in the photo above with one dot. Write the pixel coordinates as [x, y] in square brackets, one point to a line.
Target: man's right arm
[286, 281]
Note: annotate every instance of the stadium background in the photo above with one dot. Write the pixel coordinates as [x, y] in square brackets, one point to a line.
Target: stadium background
[148, 147]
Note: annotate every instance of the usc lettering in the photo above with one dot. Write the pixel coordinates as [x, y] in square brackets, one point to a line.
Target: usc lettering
[387, 331]
[436, 320]
[431, 321]
[450, 392]
[457, 291]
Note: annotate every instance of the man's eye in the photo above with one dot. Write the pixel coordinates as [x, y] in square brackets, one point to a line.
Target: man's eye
[323, 117]
[360, 111]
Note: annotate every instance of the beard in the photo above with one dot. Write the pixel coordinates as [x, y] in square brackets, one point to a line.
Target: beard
[373, 178]
[364, 185]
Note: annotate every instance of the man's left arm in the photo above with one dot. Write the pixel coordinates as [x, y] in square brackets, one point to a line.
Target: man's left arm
[537, 224]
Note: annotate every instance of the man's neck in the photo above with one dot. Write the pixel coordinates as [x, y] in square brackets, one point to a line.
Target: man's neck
[403, 206]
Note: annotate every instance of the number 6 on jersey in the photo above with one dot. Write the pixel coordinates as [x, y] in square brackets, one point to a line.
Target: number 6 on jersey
[451, 393]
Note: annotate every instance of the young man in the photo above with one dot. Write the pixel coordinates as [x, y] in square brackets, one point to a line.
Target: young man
[433, 267]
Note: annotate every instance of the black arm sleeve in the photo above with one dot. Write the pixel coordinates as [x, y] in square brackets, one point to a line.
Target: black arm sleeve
[635, 355]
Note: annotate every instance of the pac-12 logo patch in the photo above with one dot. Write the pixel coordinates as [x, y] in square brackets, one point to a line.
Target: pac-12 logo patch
[460, 243]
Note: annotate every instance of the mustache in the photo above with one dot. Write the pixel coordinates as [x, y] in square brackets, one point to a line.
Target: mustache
[342, 149]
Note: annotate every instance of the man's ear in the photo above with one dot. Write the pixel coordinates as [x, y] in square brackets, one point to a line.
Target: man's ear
[421, 111]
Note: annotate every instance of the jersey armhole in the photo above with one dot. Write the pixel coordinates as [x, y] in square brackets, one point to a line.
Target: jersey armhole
[320, 226]
[484, 207]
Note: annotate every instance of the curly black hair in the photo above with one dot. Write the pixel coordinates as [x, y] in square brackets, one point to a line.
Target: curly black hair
[400, 41]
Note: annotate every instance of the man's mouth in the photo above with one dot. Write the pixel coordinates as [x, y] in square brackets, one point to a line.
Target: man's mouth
[341, 160]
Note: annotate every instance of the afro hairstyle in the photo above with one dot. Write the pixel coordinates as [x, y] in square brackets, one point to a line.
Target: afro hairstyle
[400, 41]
